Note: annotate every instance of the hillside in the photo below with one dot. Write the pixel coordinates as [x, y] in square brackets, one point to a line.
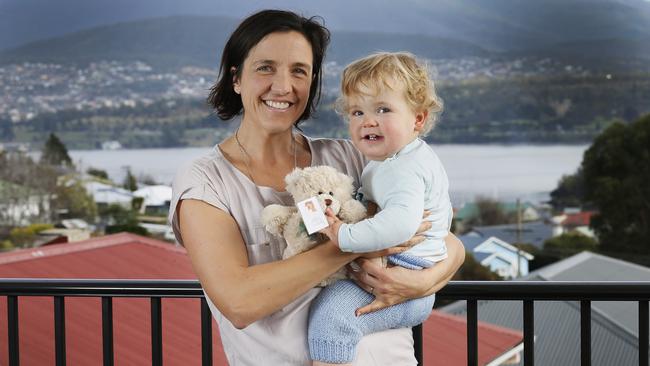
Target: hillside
[517, 110]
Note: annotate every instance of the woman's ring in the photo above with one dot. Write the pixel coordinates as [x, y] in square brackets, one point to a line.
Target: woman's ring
[372, 290]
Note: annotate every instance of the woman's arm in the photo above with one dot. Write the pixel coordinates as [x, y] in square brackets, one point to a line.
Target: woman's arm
[396, 284]
[246, 293]
[243, 293]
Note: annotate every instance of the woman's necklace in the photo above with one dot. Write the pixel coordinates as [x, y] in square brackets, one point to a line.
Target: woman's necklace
[247, 157]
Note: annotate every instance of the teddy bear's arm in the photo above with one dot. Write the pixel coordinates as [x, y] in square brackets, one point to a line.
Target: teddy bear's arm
[274, 218]
[352, 211]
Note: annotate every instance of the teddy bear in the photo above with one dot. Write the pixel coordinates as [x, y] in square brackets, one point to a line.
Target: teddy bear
[332, 189]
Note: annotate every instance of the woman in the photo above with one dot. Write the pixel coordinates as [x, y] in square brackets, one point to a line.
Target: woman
[271, 74]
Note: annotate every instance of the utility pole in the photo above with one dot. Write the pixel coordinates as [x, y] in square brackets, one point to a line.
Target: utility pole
[518, 238]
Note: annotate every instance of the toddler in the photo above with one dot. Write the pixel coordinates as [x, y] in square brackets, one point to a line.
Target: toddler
[390, 102]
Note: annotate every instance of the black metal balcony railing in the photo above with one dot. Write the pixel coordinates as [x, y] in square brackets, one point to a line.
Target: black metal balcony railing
[472, 291]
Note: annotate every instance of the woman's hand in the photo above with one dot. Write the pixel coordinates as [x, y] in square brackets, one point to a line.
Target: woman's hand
[395, 285]
[390, 285]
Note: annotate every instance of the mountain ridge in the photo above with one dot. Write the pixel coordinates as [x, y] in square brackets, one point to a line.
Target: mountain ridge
[177, 41]
[504, 25]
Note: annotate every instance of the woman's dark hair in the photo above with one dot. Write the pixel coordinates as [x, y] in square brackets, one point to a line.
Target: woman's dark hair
[250, 32]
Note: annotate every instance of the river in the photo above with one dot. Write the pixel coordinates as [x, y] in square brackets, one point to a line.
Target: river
[502, 172]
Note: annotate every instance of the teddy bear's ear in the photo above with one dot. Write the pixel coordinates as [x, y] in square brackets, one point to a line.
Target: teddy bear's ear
[346, 183]
[292, 178]
[348, 180]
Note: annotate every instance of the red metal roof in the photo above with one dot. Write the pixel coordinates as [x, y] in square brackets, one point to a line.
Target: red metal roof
[578, 219]
[120, 256]
[445, 340]
[128, 256]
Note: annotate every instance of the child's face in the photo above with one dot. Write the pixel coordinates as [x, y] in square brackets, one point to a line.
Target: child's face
[382, 124]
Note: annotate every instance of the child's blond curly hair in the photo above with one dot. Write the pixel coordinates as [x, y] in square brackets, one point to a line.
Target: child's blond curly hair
[384, 70]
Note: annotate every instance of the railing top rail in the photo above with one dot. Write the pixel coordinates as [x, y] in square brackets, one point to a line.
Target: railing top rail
[99, 287]
[548, 290]
[483, 290]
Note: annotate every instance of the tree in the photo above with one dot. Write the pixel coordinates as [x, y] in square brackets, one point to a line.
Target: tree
[97, 173]
[568, 244]
[569, 192]
[122, 220]
[616, 172]
[130, 182]
[25, 236]
[72, 199]
[55, 152]
[490, 212]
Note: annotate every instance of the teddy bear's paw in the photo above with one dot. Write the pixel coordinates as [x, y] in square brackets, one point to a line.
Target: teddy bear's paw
[289, 252]
[274, 218]
[352, 211]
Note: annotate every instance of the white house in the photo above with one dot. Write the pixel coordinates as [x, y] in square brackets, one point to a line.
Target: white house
[500, 257]
[156, 199]
[21, 206]
[106, 195]
[573, 221]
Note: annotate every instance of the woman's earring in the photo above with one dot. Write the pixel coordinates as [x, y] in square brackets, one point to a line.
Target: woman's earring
[235, 84]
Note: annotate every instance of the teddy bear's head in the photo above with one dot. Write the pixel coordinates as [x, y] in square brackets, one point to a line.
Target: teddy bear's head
[331, 187]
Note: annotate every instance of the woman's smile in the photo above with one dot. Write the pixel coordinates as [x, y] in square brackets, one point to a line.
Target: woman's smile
[277, 105]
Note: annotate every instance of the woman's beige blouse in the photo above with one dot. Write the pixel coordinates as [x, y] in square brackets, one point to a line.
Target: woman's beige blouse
[280, 338]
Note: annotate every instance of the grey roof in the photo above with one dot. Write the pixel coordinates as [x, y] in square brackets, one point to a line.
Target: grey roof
[472, 240]
[595, 267]
[557, 323]
[481, 256]
[535, 232]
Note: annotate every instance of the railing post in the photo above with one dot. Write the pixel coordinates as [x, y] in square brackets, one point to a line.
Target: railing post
[529, 333]
[472, 332]
[585, 333]
[12, 329]
[417, 344]
[156, 332]
[206, 334]
[643, 333]
[59, 330]
[107, 330]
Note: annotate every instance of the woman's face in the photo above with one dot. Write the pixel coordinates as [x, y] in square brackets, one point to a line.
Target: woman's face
[275, 80]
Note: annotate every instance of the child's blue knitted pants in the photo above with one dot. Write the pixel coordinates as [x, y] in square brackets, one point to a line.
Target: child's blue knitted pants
[335, 331]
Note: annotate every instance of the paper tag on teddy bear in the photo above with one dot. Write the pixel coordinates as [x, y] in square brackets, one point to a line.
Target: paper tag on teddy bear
[312, 215]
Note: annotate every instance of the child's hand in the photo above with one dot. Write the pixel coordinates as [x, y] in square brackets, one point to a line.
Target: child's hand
[332, 231]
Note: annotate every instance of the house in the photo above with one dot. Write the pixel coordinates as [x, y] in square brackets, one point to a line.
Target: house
[445, 342]
[156, 199]
[535, 232]
[20, 205]
[573, 222]
[614, 324]
[75, 224]
[69, 235]
[128, 256]
[500, 257]
[106, 194]
[119, 256]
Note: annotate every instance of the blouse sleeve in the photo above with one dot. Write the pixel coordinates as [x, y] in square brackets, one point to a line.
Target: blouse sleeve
[192, 182]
